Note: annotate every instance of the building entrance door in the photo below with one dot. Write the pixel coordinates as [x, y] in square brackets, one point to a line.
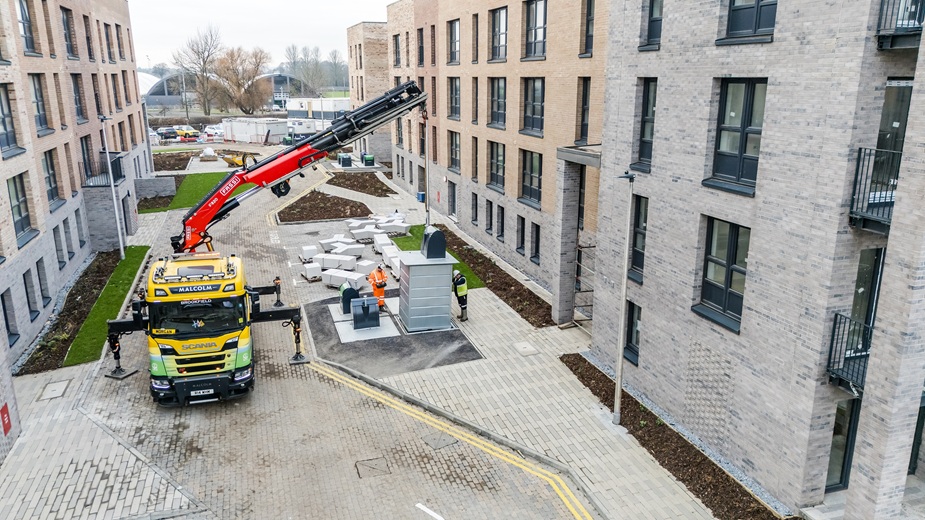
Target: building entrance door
[917, 442]
[846, 425]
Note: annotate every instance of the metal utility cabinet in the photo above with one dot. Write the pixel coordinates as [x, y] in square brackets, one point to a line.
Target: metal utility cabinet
[425, 289]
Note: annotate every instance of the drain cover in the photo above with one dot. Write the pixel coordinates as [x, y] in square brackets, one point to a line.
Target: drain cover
[525, 349]
[373, 468]
[439, 440]
[54, 390]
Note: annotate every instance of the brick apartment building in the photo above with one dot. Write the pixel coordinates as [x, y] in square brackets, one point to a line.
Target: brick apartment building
[63, 63]
[774, 304]
[510, 87]
[366, 50]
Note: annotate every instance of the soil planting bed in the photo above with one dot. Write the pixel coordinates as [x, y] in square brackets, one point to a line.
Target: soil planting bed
[53, 346]
[366, 183]
[321, 206]
[177, 161]
[725, 497]
[160, 202]
[524, 301]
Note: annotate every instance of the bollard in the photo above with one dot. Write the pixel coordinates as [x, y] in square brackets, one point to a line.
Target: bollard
[278, 284]
[115, 346]
[296, 324]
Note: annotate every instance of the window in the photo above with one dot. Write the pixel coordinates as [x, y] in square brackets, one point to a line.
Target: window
[498, 101]
[633, 322]
[453, 85]
[433, 45]
[29, 286]
[407, 49]
[453, 138]
[475, 100]
[7, 129]
[452, 41]
[536, 28]
[532, 175]
[422, 135]
[451, 198]
[535, 243]
[77, 85]
[20, 204]
[475, 209]
[647, 125]
[475, 38]
[86, 154]
[500, 226]
[534, 93]
[521, 232]
[125, 90]
[38, 102]
[396, 50]
[68, 239]
[119, 42]
[59, 247]
[640, 221]
[654, 34]
[107, 31]
[51, 178]
[499, 34]
[739, 135]
[475, 159]
[115, 91]
[43, 282]
[67, 21]
[433, 95]
[724, 273]
[410, 138]
[79, 221]
[89, 38]
[399, 135]
[496, 164]
[588, 43]
[96, 94]
[25, 26]
[9, 317]
[489, 216]
[584, 110]
[420, 47]
[751, 17]
[131, 133]
[582, 179]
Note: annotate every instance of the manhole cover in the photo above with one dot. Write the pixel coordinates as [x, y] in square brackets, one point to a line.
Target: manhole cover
[54, 390]
[372, 468]
[439, 440]
[525, 349]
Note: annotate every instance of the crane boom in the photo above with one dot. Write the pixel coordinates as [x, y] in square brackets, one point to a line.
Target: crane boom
[275, 171]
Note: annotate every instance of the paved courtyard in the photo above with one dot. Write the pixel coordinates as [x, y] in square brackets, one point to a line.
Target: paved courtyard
[312, 442]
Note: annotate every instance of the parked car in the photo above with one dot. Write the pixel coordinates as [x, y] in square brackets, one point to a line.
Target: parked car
[153, 137]
[186, 131]
[214, 131]
[167, 132]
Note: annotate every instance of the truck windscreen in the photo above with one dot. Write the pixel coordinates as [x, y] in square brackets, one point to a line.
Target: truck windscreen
[199, 317]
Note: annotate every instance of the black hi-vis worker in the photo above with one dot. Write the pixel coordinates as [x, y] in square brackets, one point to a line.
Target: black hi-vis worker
[461, 290]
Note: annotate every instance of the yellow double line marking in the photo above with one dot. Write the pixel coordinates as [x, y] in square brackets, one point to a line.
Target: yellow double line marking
[554, 481]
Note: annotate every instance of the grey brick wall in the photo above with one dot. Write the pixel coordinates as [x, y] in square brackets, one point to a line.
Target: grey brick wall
[155, 187]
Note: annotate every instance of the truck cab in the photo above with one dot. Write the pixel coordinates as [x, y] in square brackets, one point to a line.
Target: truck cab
[199, 329]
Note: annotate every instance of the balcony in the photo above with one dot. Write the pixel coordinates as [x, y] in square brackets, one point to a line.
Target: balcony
[848, 353]
[95, 173]
[900, 24]
[874, 190]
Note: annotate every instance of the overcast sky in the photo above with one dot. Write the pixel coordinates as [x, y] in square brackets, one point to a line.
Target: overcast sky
[160, 27]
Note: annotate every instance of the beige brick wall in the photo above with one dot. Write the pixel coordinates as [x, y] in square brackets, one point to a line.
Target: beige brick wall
[368, 48]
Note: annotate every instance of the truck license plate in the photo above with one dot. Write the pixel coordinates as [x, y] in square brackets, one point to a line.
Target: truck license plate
[201, 392]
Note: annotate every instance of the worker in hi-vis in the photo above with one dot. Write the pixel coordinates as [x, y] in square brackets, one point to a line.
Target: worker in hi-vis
[378, 280]
[461, 290]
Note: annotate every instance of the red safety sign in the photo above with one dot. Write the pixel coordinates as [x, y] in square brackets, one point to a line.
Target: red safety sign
[5, 417]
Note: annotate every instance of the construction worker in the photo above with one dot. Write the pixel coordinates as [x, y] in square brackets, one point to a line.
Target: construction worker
[378, 280]
[461, 290]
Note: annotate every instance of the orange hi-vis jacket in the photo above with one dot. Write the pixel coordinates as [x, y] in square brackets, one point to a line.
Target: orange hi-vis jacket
[376, 278]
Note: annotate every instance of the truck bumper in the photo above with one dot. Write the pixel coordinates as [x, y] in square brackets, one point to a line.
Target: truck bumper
[202, 389]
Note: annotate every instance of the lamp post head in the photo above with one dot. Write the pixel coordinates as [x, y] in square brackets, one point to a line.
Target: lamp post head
[627, 175]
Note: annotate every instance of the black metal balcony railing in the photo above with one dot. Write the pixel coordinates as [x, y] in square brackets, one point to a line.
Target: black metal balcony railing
[95, 173]
[874, 191]
[848, 352]
[900, 23]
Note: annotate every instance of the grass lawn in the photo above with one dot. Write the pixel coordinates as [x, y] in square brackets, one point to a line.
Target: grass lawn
[193, 188]
[413, 243]
[92, 334]
[336, 94]
[171, 150]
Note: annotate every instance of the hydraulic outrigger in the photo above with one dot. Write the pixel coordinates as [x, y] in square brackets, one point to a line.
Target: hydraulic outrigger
[197, 323]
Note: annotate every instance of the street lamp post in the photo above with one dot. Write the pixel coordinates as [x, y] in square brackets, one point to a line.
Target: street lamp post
[621, 342]
[112, 186]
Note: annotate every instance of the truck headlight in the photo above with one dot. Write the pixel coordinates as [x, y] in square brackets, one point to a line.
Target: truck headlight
[241, 375]
[160, 384]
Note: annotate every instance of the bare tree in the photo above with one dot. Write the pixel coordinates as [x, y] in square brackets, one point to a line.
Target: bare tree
[237, 71]
[338, 67]
[311, 72]
[197, 58]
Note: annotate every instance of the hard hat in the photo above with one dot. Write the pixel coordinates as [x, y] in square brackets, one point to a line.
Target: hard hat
[380, 266]
[455, 273]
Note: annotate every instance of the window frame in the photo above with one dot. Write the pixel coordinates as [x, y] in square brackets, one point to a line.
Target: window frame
[453, 144]
[8, 140]
[582, 188]
[496, 160]
[26, 28]
[499, 234]
[587, 47]
[89, 37]
[521, 235]
[535, 233]
[762, 13]
[474, 217]
[115, 92]
[107, 33]
[119, 42]
[647, 120]
[396, 50]
[70, 43]
[633, 318]
[584, 110]
[79, 108]
[19, 202]
[533, 109]
[654, 32]
[746, 165]
[535, 27]
[453, 47]
[489, 216]
[497, 116]
[454, 91]
[499, 25]
[36, 82]
[51, 176]
[724, 311]
[531, 180]
[640, 225]
[420, 46]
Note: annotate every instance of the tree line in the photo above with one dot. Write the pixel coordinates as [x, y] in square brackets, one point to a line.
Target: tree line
[223, 77]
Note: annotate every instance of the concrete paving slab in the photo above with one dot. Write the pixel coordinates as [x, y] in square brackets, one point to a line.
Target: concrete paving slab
[337, 313]
[348, 334]
[54, 390]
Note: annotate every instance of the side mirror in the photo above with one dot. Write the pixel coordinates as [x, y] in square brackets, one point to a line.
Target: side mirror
[141, 323]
